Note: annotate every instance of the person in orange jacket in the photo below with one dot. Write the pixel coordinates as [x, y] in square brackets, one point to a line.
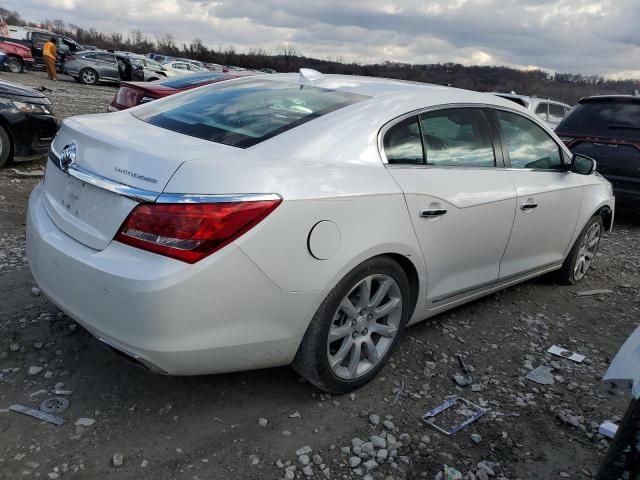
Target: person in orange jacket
[50, 56]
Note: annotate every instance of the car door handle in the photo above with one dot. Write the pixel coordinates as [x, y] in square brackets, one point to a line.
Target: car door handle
[433, 212]
[527, 207]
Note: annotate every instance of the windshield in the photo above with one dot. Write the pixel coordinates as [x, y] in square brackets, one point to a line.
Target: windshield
[245, 112]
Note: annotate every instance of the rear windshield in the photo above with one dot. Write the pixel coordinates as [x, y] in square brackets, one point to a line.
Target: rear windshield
[615, 117]
[191, 80]
[245, 112]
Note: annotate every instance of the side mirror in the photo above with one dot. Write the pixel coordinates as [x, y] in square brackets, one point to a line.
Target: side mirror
[582, 164]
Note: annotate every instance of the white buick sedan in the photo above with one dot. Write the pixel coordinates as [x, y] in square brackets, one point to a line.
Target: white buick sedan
[302, 219]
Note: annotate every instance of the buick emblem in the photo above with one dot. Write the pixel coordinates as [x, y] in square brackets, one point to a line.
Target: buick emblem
[68, 156]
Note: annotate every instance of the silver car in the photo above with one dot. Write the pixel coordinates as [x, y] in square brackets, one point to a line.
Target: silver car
[91, 66]
[550, 111]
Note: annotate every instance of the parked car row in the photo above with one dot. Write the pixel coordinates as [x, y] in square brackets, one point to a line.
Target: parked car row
[550, 111]
[34, 39]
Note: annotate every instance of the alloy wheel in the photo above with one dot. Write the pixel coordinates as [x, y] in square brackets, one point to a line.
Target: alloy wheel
[364, 326]
[587, 251]
[88, 77]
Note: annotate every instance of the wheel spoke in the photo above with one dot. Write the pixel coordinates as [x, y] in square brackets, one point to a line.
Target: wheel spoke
[383, 330]
[372, 351]
[354, 361]
[592, 243]
[383, 288]
[388, 307]
[342, 352]
[347, 307]
[365, 292]
[336, 333]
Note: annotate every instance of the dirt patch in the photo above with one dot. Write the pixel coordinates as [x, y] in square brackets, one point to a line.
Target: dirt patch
[210, 428]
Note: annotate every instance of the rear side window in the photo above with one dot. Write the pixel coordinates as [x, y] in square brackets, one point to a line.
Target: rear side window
[528, 145]
[245, 112]
[556, 113]
[541, 111]
[457, 137]
[614, 117]
[402, 143]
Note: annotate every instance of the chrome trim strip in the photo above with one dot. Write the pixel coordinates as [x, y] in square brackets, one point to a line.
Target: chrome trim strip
[446, 106]
[112, 186]
[225, 198]
[105, 183]
[499, 284]
[142, 195]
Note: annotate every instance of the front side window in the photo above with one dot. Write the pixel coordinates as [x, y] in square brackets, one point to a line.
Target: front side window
[244, 112]
[457, 137]
[402, 143]
[105, 57]
[527, 144]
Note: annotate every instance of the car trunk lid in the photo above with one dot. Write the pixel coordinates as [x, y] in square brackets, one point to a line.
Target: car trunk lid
[119, 161]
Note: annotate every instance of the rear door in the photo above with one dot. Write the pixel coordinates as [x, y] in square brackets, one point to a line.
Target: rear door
[548, 195]
[105, 64]
[462, 206]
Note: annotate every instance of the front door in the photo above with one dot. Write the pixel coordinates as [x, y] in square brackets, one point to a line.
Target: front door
[462, 206]
[549, 196]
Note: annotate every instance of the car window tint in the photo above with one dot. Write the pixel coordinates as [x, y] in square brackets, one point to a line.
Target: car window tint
[528, 145]
[402, 143]
[608, 117]
[541, 111]
[556, 113]
[244, 113]
[105, 57]
[457, 137]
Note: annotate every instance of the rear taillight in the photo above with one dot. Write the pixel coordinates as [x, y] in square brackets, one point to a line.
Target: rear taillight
[191, 231]
[567, 140]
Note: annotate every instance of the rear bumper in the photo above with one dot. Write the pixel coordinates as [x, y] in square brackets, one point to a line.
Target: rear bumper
[221, 314]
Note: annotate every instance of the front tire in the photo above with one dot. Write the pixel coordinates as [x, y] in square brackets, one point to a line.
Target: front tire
[581, 256]
[356, 328]
[14, 64]
[88, 76]
[5, 147]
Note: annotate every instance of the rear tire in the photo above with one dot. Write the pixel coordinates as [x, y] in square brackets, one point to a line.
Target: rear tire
[5, 147]
[88, 76]
[366, 314]
[14, 64]
[582, 253]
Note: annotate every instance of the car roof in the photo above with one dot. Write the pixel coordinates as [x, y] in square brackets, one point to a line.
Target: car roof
[385, 87]
[600, 98]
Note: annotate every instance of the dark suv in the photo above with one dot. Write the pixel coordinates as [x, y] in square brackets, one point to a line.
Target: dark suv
[607, 128]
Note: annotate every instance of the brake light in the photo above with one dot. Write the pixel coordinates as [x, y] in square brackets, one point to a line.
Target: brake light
[191, 231]
[567, 140]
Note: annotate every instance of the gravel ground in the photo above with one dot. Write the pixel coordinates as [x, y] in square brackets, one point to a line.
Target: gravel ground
[124, 423]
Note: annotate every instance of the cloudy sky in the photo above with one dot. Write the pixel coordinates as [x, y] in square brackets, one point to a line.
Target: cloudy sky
[578, 36]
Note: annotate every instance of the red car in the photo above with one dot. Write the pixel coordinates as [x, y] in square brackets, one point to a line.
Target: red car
[18, 58]
[131, 94]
